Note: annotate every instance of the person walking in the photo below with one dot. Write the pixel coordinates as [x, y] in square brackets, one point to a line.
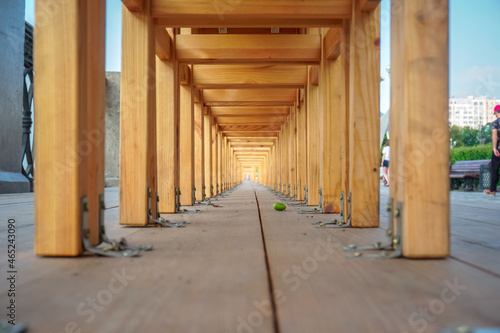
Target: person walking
[495, 157]
[386, 154]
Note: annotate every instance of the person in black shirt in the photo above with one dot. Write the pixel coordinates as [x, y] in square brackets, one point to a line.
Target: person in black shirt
[495, 157]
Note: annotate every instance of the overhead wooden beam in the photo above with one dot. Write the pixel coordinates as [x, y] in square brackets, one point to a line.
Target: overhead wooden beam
[248, 48]
[163, 43]
[134, 5]
[250, 13]
[264, 128]
[237, 97]
[332, 43]
[249, 76]
[368, 5]
[253, 140]
[137, 117]
[226, 111]
[251, 134]
[251, 120]
[314, 75]
[184, 74]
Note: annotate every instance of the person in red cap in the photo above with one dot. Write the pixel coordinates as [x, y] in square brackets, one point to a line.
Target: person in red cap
[495, 158]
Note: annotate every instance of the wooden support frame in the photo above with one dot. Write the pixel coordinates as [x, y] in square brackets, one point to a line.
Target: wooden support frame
[426, 208]
[186, 144]
[301, 148]
[69, 129]
[137, 117]
[207, 142]
[313, 138]
[199, 152]
[364, 91]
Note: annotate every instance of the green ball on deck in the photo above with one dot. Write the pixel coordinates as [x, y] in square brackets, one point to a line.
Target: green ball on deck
[279, 206]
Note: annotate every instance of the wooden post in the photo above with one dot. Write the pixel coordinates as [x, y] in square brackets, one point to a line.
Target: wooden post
[207, 141]
[137, 117]
[215, 159]
[333, 96]
[292, 150]
[186, 138]
[426, 217]
[364, 116]
[313, 153]
[345, 115]
[167, 136]
[219, 161]
[199, 152]
[301, 147]
[69, 130]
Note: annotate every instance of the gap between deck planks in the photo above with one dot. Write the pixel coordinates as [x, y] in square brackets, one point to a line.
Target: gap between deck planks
[324, 292]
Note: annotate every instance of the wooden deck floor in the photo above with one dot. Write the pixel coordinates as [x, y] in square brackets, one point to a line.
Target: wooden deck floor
[217, 273]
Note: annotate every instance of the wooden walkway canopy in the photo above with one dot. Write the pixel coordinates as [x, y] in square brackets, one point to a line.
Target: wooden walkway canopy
[284, 91]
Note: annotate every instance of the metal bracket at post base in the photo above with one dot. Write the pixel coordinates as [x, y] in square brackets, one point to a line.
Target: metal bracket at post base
[203, 194]
[160, 221]
[115, 249]
[391, 250]
[338, 223]
[211, 191]
[315, 210]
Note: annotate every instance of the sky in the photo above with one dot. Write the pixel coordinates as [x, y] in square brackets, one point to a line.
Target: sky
[474, 46]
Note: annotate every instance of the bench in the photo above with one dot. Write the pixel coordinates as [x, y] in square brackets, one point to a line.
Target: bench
[468, 171]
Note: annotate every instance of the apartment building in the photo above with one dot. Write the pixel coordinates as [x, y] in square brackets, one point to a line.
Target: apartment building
[471, 111]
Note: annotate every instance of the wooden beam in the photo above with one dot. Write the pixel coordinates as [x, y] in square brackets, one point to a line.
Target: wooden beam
[184, 74]
[249, 76]
[426, 165]
[248, 48]
[163, 43]
[199, 153]
[345, 118]
[331, 43]
[218, 111]
[250, 120]
[368, 5]
[69, 129]
[364, 127]
[250, 13]
[314, 75]
[215, 159]
[134, 5]
[251, 134]
[237, 97]
[301, 149]
[137, 117]
[238, 128]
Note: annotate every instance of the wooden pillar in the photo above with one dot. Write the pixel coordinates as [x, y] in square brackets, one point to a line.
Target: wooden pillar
[137, 117]
[167, 135]
[199, 151]
[345, 114]
[215, 159]
[186, 136]
[313, 152]
[301, 146]
[207, 141]
[426, 216]
[69, 131]
[364, 116]
[292, 151]
[333, 97]
[219, 162]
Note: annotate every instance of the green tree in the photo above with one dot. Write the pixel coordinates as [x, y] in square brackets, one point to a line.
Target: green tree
[485, 134]
[455, 135]
[469, 136]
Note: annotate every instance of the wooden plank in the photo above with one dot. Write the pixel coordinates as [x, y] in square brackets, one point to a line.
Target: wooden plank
[426, 84]
[251, 120]
[248, 48]
[249, 13]
[219, 111]
[167, 136]
[235, 97]
[314, 75]
[250, 134]
[364, 91]
[163, 42]
[68, 130]
[301, 149]
[303, 259]
[207, 142]
[274, 127]
[134, 5]
[333, 95]
[345, 118]
[369, 5]
[186, 145]
[199, 152]
[313, 152]
[249, 76]
[331, 43]
[137, 117]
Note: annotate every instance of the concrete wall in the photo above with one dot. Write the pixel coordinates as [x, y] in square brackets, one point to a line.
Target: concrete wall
[112, 128]
[11, 96]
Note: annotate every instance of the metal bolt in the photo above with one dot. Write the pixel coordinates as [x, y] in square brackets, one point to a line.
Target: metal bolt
[351, 246]
[357, 254]
[378, 244]
[395, 241]
[396, 213]
[389, 207]
[388, 233]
